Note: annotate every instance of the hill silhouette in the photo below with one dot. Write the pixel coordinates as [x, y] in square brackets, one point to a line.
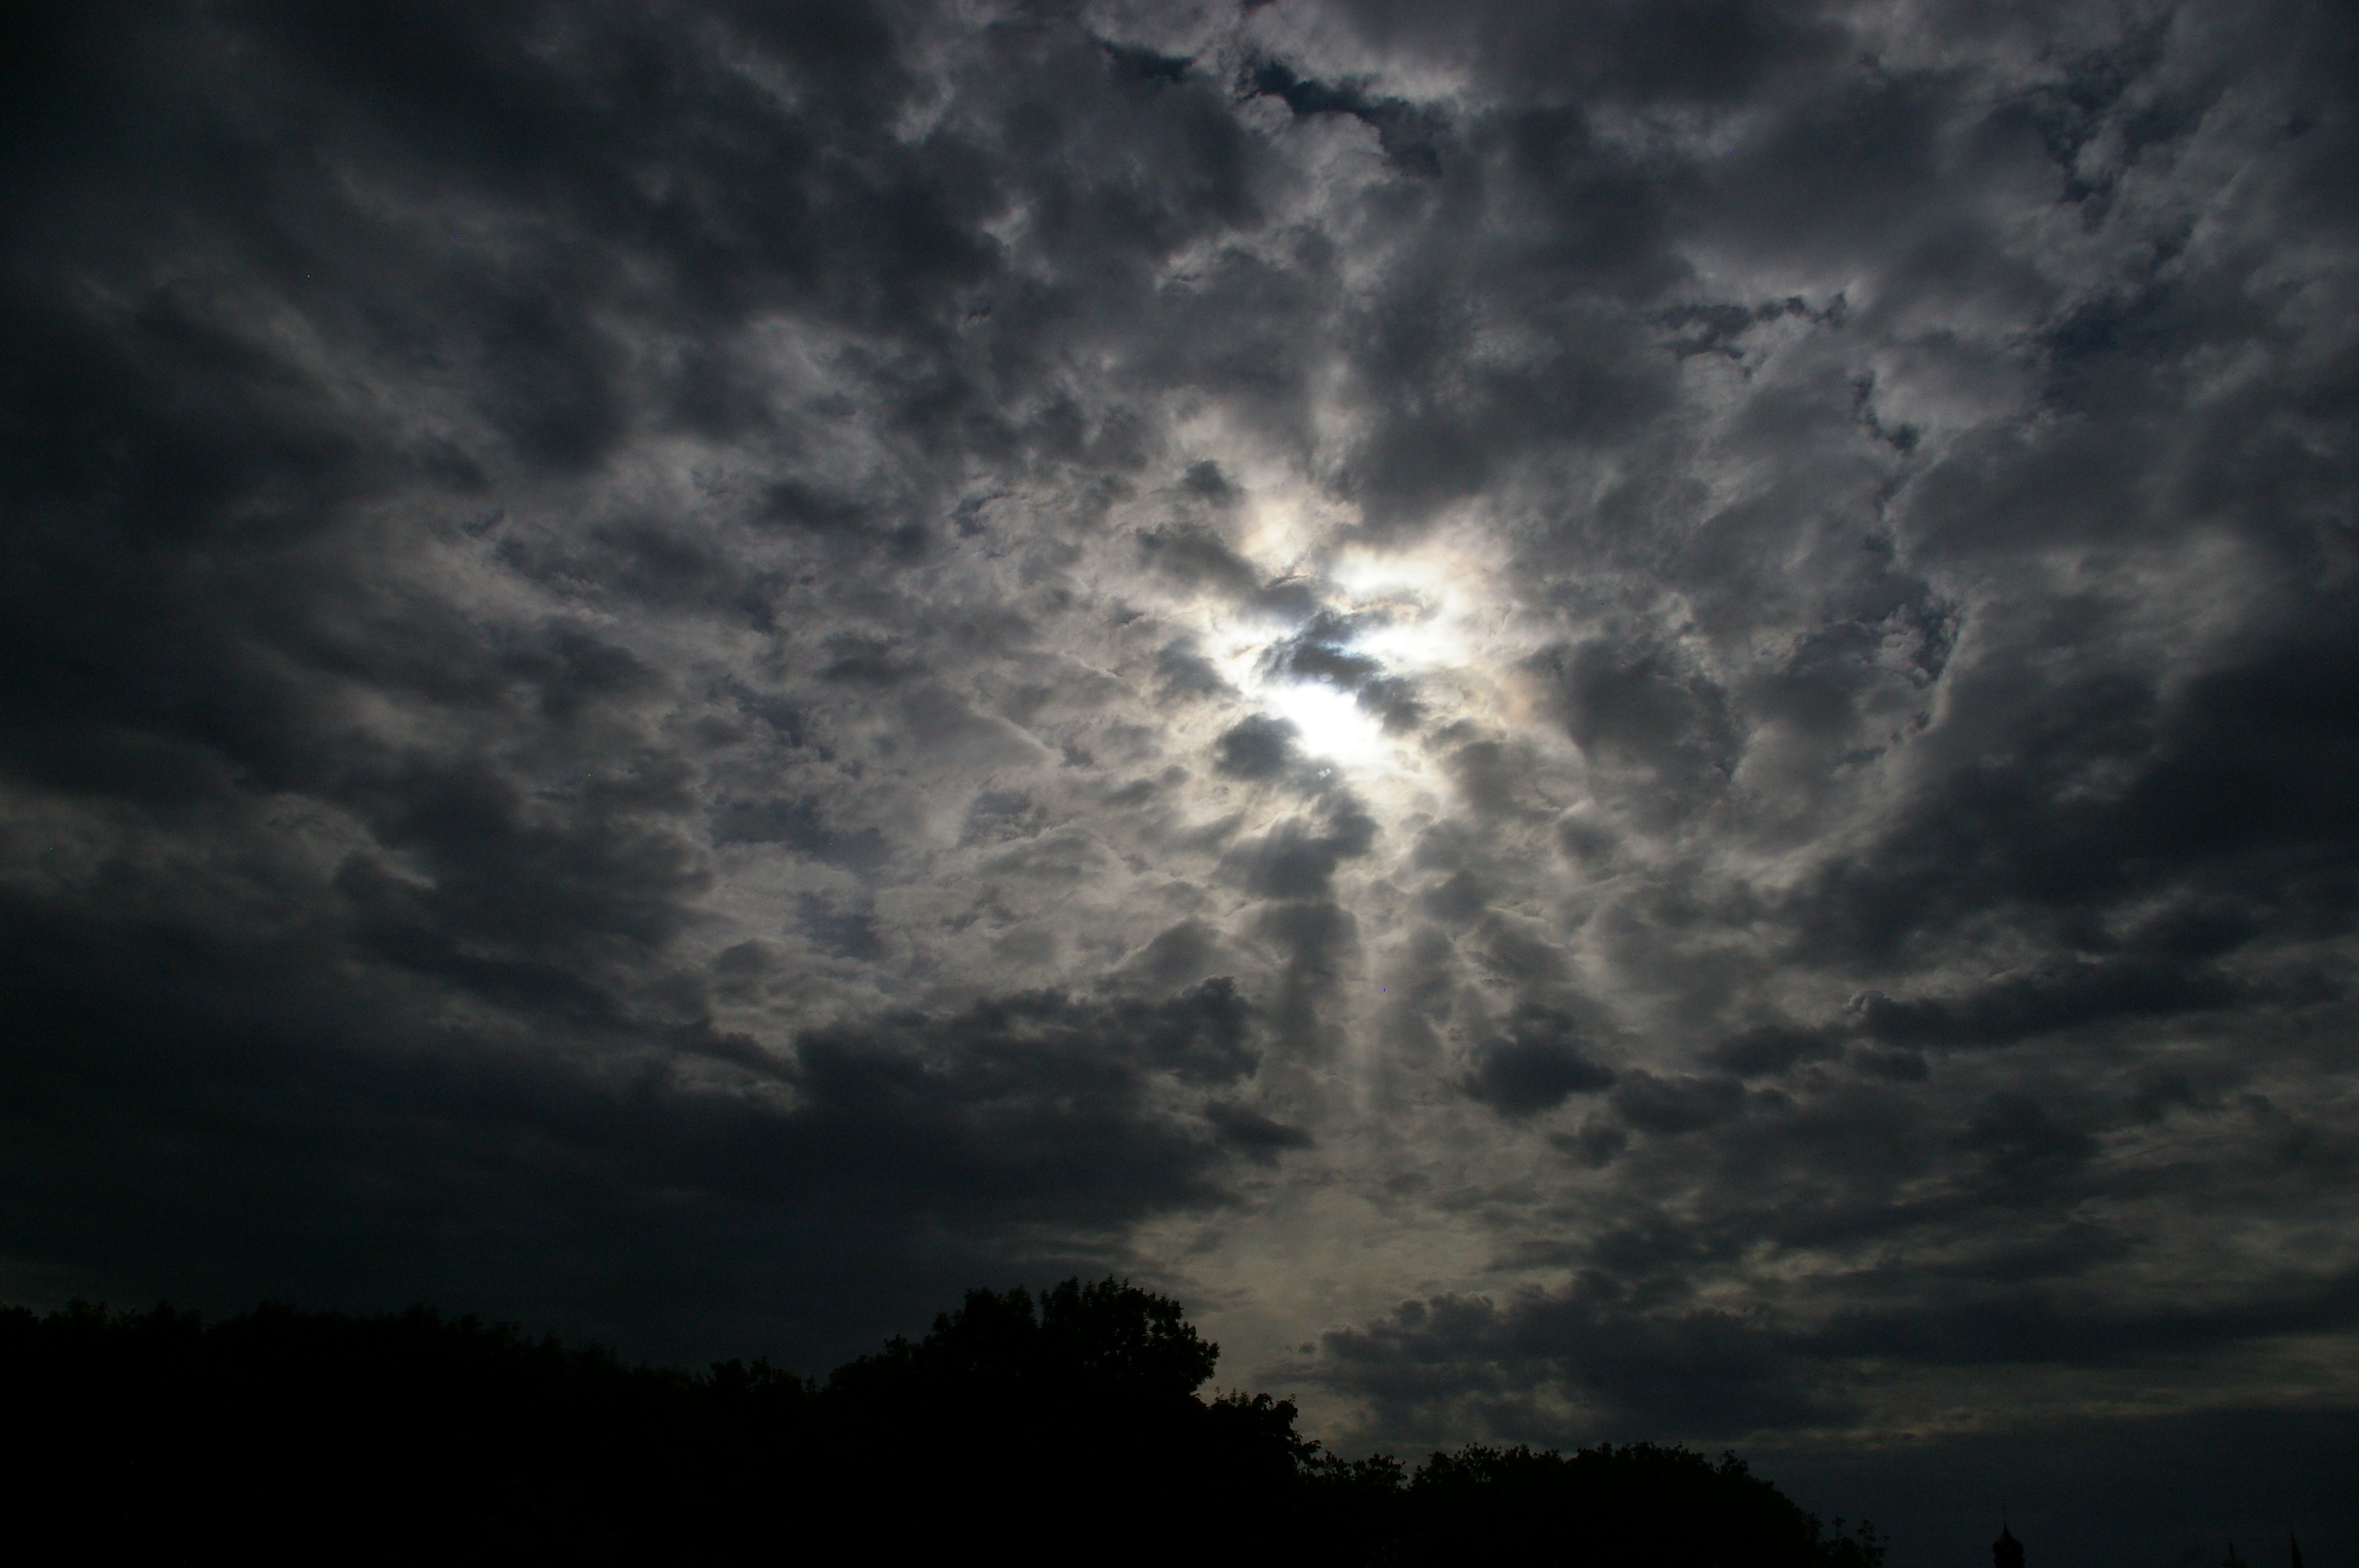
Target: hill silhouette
[1065, 1427]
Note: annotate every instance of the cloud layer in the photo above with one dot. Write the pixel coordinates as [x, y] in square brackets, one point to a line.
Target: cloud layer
[1609, 721]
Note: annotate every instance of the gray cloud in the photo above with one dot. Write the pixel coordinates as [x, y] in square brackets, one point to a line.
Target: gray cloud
[1537, 1065]
[701, 674]
[1258, 747]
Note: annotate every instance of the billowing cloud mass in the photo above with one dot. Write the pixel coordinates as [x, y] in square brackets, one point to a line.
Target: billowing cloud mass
[1606, 720]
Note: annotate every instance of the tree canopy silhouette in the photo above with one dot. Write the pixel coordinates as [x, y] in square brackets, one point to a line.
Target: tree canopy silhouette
[1065, 1426]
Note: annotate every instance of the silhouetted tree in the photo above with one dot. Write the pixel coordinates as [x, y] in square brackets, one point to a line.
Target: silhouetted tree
[1075, 1415]
[1062, 1427]
[1608, 1505]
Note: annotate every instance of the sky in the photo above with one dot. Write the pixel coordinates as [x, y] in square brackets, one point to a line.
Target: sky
[1606, 720]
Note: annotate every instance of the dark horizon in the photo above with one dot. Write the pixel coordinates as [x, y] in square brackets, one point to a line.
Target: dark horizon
[1062, 1427]
[1609, 721]
[1940, 1514]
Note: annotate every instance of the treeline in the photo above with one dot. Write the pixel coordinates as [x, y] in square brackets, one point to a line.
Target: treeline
[1064, 1428]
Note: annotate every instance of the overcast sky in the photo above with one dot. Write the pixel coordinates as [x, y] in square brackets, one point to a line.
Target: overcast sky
[1605, 719]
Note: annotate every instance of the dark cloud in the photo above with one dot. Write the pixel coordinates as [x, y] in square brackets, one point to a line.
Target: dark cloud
[2023, 1006]
[1184, 673]
[1196, 556]
[1695, 1370]
[1770, 1048]
[801, 824]
[1636, 710]
[701, 674]
[1537, 1065]
[1668, 1106]
[1410, 134]
[373, 1165]
[1298, 858]
[1322, 652]
[1259, 747]
[1256, 1135]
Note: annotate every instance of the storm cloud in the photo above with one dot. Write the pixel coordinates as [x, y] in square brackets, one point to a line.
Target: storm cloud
[1607, 720]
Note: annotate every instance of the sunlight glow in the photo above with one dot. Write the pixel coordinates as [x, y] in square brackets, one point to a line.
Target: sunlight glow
[1334, 726]
[1416, 637]
[1419, 607]
[1426, 615]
